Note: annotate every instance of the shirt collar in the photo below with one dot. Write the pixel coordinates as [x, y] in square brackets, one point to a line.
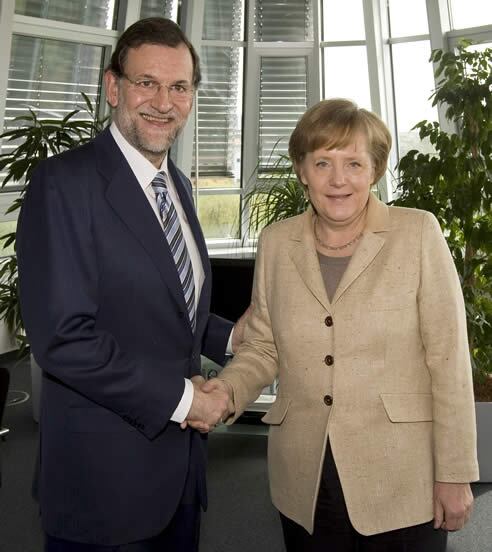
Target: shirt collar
[142, 168]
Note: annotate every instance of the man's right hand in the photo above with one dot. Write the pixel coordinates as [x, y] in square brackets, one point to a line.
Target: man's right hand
[212, 403]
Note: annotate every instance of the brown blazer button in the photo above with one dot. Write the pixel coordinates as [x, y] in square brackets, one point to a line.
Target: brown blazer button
[329, 321]
[328, 400]
[329, 360]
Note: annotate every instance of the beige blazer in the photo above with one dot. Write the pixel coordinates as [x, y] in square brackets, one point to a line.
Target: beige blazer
[394, 363]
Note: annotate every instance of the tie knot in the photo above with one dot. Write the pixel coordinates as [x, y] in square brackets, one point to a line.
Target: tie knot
[159, 183]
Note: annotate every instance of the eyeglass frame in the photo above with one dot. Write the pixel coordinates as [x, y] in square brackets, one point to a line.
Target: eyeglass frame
[172, 89]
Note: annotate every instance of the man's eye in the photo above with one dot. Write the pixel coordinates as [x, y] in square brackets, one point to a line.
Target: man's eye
[355, 164]
[178, 88]
[147, 84]
[321, 164]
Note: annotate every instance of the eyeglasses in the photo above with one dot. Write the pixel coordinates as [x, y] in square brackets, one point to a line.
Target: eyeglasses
[150, 87]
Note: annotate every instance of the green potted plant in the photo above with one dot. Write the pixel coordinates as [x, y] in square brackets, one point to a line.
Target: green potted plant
[275, 193]
[35, 139]
[455, 183]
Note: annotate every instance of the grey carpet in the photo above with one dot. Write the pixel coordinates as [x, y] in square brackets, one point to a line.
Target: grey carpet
[240, 516]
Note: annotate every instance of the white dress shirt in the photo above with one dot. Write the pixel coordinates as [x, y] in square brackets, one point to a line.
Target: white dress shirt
[145, 172]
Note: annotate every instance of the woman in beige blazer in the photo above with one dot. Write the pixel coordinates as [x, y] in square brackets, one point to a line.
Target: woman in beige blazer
[358, 311]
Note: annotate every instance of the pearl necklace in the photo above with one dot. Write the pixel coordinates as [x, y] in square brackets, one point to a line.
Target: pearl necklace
[336, 247]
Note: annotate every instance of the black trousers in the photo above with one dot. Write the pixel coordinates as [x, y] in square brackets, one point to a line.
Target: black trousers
[333, 531]
[181, 535]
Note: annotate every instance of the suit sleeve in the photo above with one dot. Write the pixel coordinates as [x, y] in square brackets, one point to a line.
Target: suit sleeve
[255, 365]
[58, 278]
[215, 338]
[444, 334]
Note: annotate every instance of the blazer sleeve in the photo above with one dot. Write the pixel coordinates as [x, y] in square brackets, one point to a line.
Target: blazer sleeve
[255, 365]
[58, 279]
[444, 335]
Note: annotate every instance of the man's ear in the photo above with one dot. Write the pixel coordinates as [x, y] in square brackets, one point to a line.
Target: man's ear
[111, 83]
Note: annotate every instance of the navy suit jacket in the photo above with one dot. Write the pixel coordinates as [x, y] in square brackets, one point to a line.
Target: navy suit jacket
[107, 322]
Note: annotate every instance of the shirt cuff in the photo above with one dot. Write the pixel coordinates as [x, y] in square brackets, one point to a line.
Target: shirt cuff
[229, 350]
[184, 405]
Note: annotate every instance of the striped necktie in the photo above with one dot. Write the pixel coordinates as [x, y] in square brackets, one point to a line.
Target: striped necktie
[176, 241]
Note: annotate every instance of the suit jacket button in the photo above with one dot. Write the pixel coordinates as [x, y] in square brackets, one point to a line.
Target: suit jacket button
[181, 314]
[328, 400]
[329, 321]
[329, 360]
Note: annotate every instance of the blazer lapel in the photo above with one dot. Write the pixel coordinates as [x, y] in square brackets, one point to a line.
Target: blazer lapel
[128, 200]
[304, 256]
[303, 251]
[377, 223]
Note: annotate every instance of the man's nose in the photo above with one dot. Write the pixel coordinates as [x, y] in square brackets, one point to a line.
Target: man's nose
[162, 99]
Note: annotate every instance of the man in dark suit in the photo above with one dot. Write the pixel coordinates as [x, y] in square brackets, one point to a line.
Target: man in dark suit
[115, 293]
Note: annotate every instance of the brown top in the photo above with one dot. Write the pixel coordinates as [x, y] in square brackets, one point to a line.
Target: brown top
[332, 269]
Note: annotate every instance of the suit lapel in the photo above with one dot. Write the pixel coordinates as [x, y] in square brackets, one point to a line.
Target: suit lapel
[130, 203]
[304, 256]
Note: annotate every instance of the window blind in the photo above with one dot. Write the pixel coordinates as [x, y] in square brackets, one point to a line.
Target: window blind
[220, 111]
[47, 76]
[95, 13]
[159, 8]
[283, 99]
[283, 20]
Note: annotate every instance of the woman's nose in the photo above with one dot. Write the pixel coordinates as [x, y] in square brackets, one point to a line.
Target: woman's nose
[337, 175]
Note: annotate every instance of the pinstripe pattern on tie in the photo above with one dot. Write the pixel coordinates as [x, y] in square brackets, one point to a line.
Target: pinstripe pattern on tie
[176, 241]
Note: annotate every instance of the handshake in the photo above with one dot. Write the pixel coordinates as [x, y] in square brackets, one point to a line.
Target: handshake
[212, 404]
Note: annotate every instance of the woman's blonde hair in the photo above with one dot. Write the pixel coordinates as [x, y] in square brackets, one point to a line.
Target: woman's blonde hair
[334, 124]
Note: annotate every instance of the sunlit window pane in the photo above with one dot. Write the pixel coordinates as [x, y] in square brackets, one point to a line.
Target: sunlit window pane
[343, 20]
[346, 74]
[96, 13]
[219, 215]
[470, 13]
[408, 18]
[223, 20]
[414, 83]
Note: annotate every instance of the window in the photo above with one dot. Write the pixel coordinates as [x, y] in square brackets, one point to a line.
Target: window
[412, 73]
[96, 13]
[344, 52]
[283, 21]
[407, 18]
[470, 13]
[217, 149]
[159, 8]
[47, 77]
[282, 101]
[413, 84]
